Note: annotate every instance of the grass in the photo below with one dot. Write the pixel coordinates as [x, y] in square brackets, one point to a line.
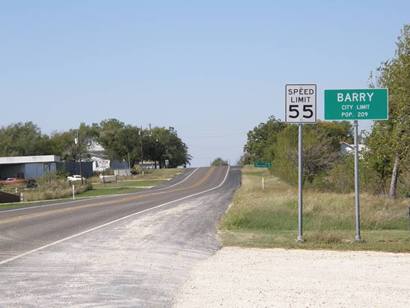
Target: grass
[150, 174]
[131, 184]
[58, 189]
[268, 218]
[121, 187]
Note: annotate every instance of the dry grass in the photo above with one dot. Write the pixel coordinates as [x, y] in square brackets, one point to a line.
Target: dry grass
[149, 175]
[56, 189]
[268, 218]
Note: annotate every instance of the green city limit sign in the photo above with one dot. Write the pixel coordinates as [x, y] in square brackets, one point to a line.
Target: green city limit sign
[357, 104]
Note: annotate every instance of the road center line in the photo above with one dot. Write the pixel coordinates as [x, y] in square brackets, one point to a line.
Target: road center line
[131, 198]
[108, 197]
[113, 222]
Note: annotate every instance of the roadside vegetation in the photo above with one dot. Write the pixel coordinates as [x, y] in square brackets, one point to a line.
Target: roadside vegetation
[219, 162]
[54, 187]
[268, 218]
[49, 187]
[385, 149]
[130, 184]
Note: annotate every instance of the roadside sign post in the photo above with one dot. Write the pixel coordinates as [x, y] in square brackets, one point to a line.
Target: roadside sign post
[358, 236]
[356, 104]
[300, 182]
[300, 108]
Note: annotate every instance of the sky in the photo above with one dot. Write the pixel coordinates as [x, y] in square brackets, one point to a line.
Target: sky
[213, 70]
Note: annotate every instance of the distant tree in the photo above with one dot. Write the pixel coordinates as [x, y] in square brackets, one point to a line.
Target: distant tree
[277, 142]
[389, 141]
[121, 142]
[109, 137]
[244, 160]
[219, 162]
[163, 145]
[262, 140]
[159, 144]
[23, 139]
[64, 143]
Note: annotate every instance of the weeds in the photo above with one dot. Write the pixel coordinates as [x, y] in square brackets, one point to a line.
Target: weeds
[269, 217]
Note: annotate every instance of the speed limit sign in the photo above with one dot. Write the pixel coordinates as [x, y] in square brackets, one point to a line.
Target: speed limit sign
[300, 103]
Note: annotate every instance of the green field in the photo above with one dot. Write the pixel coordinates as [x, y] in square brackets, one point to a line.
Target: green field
[268, 218]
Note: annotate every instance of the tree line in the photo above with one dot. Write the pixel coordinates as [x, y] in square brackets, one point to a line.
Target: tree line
[386, 159]
[123, 142]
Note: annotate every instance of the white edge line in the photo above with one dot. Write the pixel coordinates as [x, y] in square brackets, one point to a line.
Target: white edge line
[113, 222]
[93, 198]
[180, 182]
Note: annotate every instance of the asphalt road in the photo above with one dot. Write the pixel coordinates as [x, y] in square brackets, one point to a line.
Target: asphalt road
[130, 250]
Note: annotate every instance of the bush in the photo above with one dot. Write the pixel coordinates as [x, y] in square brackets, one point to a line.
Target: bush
[219, 162]
[137, 169]
[341, 177]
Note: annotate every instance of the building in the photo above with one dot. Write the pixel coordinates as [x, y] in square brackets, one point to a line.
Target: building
[85, 168]
[348, 149]
[28, 167]
[98, 157]
[100, 164]
[120, 168]
[148, 164]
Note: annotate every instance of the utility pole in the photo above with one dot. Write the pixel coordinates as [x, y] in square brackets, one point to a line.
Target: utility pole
[142, 153]
[129, 161]
[77, 142]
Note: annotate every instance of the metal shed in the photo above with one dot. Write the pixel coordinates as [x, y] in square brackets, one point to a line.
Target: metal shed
[27, 167]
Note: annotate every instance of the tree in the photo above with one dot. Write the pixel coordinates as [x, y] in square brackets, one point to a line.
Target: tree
[22, 139]
[159, 144]
[277, 142]
[389, 141]
[321, 146]
[261, 141]
[162, 144]
[219, 162]
[63, 143]
[121, 142]
[108, 137]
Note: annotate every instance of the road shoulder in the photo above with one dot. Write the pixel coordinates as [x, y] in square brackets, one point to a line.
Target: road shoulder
[253, 277]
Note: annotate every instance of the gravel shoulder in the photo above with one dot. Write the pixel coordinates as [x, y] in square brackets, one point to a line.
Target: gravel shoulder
[251, 277]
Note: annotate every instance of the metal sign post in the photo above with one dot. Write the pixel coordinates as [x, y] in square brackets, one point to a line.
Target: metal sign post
[300, 183]
[357, 179]
[300, 109]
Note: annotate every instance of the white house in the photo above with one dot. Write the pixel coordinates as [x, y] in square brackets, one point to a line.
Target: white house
[98, 157]
[348, 149]
[100, 164]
